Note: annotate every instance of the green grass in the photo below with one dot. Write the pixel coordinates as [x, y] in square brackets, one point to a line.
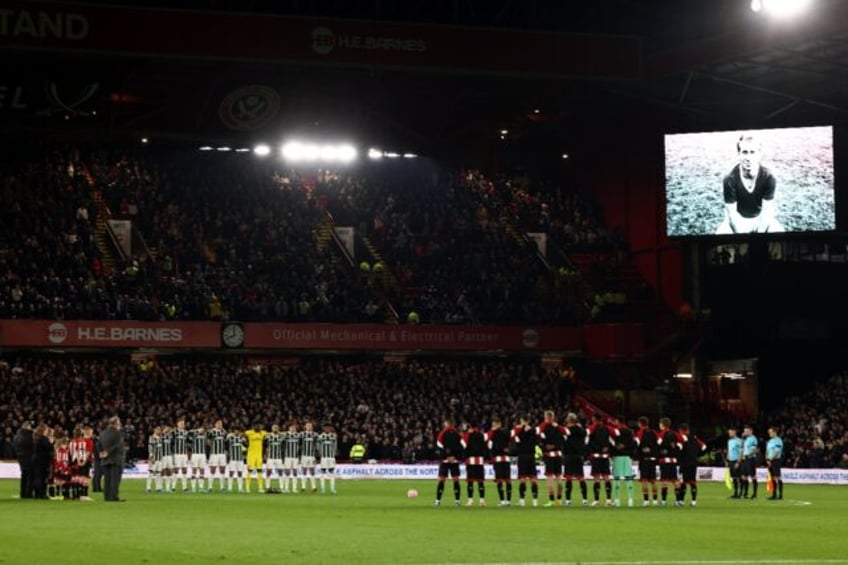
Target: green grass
[374, 522]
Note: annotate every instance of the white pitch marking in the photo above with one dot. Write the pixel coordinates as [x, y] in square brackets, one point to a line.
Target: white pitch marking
[690, 562]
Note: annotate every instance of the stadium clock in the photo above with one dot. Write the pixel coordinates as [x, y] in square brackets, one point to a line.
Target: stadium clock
[232, 335]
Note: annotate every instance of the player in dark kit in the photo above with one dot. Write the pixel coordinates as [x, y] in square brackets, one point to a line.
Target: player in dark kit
[622, 462]
[475, 446]
[524, 437]
[669, 446]
[691, 448]
[648, 452]
[573, 454]
[450, 442]
[599, 443]
[498, 440]
[552, 436]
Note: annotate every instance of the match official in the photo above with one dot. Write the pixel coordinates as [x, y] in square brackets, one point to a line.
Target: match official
[774, 460]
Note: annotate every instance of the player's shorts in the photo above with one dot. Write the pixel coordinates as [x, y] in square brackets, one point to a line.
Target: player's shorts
[553, 466]
[328, 463]
[502, 470]
[274, 465]
[775, 468]
[83, 470]
[573, 466]
[648, 470]
[167, 462]
[156, 466]
[600, 467]
[735, 469]
[236, 466]
[290, 463]
[218, 460]
[307, 462]
[749, 467]
[527, 467]
[668, 471]
[254, 461]
[448, 470]
[198, 461]
[180, 461]
[622, 467]
[689, 473]
[475, 473]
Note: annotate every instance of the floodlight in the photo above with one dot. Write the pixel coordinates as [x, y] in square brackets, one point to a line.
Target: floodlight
[144, 140]
[205, 148]
[292, 151]
[224, 149]
[781, 8]
[262, 150]
[409, 155]
[346, 153]
[243, 150]
[375, 154]
[391, 155]
[329, 153]
[311, 152]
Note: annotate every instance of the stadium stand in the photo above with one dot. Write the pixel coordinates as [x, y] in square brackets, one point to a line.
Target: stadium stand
[388, 406]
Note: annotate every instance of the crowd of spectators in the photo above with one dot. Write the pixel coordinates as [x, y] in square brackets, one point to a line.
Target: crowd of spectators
[395, 409]
[814, 427]
[223, 237]
[452, 266]
[570, 220]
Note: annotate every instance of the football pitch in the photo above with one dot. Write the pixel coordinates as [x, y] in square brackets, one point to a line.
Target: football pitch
[374, 522]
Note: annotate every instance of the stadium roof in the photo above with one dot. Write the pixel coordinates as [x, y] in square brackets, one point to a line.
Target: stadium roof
[702, 64]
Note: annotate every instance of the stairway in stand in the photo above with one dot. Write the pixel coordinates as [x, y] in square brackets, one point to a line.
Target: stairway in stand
[388, 279]
[101, 237]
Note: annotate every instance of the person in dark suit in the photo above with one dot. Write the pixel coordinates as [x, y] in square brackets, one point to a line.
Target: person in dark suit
[42, 460]
[24, 448]
[112, 459]
[97, 474]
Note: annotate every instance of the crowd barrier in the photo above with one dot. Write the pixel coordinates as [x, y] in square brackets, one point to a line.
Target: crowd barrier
[10, 470]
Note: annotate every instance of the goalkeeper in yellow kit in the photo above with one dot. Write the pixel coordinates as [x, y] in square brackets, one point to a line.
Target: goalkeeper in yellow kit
[255, 438]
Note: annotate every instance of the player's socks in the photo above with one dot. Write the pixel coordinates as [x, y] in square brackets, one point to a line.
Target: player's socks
[333, 484]
[693, 489]
[608, 489]
[481, 490]
[664, 491]
[754, 488]
[500, 491]
[628, 484]
[440, 490]
[559, 491]
[745, 484]
[569, 486]
[596, 490]
[584, 490]
[230, 483]
[456, 491]
[184, 481]
[261, 481]
[616, 490]
[149, 482]
[241, 484]
[508, 491]
[193, 484]
[522, 490]
[779, 488]
[313, 482]
[469, 489]
[534, 489]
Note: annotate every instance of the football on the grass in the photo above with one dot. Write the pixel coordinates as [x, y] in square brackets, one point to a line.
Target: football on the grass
[412, 493]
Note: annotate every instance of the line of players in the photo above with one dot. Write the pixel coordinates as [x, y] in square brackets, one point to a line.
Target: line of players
[231, 457]
[609, 448]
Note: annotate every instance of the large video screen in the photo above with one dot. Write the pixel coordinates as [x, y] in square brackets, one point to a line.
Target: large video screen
[750, 181]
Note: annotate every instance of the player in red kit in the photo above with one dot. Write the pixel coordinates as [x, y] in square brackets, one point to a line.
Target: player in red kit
[498, 441]
[82, 455]
[551, 435]
[599, 443]
[648, 451]
[691, 449]
[669, 446]
[474, 444]
[450, 443]
[524, 437]
[573, 450]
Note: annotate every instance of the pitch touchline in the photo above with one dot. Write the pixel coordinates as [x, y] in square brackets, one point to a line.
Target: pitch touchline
[690, 562]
